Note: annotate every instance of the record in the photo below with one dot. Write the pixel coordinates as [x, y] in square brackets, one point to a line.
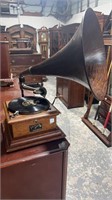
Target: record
[28, 105]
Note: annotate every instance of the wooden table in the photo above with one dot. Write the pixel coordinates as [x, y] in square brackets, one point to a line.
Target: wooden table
[37, 172]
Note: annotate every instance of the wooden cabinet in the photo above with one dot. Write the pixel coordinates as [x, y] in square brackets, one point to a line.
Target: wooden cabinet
[72, 93]
[35, 173]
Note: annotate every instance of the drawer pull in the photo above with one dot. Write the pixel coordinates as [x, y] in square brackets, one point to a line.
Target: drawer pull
[13, 61]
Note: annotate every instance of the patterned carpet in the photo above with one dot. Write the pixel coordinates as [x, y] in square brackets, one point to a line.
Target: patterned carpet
[89, 175]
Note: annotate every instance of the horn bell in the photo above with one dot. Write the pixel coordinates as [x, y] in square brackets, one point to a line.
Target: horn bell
[83, 59]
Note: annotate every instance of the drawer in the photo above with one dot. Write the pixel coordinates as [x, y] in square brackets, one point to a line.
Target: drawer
[16, 70]
[34, 79]
[25, 59]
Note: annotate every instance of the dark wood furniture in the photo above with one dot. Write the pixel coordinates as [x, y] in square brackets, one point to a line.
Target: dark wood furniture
[20, 62]
[101, 19]
[106, 103]
[43, 42]
[103, 111]
[22, 38]
[72, 94]
[4, 36]
[5, 64]
[37, 172]
[4, 49]
[66, 33]
[54, 39]
[106, 139]
[60, 35]
[107, 35]
[23, 51]
[6, 78]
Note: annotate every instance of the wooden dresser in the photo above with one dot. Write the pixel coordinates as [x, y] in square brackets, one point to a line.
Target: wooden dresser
[20, 62]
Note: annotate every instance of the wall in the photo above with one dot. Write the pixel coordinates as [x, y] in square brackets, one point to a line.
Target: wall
[105, 9]
[34, 21]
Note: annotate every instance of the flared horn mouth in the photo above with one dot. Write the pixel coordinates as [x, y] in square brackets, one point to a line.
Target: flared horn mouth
[94, 55]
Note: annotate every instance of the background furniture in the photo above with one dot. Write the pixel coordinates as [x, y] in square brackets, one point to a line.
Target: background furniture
[106, 103]
[72, 94]
[103, 111]
[20, 62]
[5, 67]
[23, 52]
[60, 35]
[54, 34]
[22, 38]
[6, 78]
[43, 42]
[4, 49]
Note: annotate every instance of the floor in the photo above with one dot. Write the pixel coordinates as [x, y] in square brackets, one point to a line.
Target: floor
[89, 175]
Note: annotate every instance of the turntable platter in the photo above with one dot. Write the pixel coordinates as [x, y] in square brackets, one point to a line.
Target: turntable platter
[28, 105]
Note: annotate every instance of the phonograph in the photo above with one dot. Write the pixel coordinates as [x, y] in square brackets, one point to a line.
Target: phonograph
[31, 120]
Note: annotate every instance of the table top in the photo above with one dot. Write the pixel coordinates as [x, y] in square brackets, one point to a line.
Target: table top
[8, 159]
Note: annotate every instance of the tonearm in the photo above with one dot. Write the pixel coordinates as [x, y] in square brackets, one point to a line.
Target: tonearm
[37, 88]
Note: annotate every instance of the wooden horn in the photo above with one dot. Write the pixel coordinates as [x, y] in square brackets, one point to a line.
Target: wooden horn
[83, 59]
